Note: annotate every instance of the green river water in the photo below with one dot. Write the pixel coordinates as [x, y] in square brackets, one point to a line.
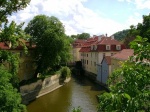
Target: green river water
[80, 91]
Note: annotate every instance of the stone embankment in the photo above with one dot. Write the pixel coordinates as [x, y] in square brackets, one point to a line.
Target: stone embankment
[41, 87]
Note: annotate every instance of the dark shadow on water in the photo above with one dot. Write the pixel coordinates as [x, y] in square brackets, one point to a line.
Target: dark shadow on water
[85, 81]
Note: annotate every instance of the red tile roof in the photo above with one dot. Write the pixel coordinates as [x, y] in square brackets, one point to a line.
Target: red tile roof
[124, 54]
[85, 49]
[78, 43]
[108, 41]
[4, 46]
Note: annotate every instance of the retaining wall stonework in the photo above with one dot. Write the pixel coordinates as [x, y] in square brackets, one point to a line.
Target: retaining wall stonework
[40, 88]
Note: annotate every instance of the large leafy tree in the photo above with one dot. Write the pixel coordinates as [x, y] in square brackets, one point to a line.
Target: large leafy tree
[52, 45]
[130, 85]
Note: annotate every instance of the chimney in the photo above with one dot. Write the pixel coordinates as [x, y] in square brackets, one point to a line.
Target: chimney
[106, 34]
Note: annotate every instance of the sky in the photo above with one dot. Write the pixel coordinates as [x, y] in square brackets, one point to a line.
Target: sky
[95, 17]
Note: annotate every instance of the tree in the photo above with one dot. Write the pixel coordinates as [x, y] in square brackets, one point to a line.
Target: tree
[81, 36]
[129, 86]
[10, 100]
[141, 29]
[84, 36]
[121, 35]
[10, 6]
[52, 45]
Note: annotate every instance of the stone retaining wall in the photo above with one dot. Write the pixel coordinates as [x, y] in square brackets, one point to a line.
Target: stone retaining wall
[40, 88]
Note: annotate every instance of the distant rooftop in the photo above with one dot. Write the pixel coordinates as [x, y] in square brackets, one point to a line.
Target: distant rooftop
[124, 54]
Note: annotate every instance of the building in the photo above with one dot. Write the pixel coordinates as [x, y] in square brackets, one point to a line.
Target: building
[95, 49]
[76, 46]
[104, 70]
[120, 57]
[26, 62]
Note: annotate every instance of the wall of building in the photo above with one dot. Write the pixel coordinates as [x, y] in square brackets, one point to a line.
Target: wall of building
[40, 88]
[76, 54]
[103, 72]
[26, 66]
[115, 64]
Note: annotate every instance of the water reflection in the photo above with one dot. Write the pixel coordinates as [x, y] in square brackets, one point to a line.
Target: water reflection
[80, 91]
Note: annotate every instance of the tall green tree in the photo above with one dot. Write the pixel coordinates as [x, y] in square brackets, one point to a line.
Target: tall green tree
[52, 45]
[130, 85]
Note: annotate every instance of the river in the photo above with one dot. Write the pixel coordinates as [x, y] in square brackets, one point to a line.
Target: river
[80, 91]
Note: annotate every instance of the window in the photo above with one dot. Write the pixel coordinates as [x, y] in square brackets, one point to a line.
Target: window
[95, 63]
[87, 62]
[87, 55]
[118, 47]
[107, 47]
[111, 54]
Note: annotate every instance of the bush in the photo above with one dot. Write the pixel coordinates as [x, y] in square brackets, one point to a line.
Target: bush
[65, 72]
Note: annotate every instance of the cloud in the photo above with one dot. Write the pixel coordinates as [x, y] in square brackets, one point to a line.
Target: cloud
[73, 14]
[134, 19]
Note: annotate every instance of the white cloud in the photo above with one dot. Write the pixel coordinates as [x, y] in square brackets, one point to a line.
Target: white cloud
[142, 4]
[75, 17]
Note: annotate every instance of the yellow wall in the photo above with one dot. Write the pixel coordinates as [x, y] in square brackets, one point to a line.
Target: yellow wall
[76, 54]
[115, 64]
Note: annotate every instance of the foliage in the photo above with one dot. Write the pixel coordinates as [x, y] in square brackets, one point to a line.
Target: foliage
[10, 100]
[121, 34]
[141, 29]
[52, 45]
[10, 35]
[130, 86]
[65, 72]
[81, 36]
[78, 109]
[10, 6]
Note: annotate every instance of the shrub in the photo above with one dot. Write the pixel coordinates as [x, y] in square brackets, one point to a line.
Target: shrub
[65, 72]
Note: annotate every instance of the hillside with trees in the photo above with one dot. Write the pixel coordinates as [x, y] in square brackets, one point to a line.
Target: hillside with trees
[121, 35]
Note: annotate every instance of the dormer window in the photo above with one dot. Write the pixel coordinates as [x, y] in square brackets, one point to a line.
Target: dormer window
[107, 47]
[118, 47]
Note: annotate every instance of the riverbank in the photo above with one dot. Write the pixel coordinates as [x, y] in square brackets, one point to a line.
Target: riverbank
[41, 87]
